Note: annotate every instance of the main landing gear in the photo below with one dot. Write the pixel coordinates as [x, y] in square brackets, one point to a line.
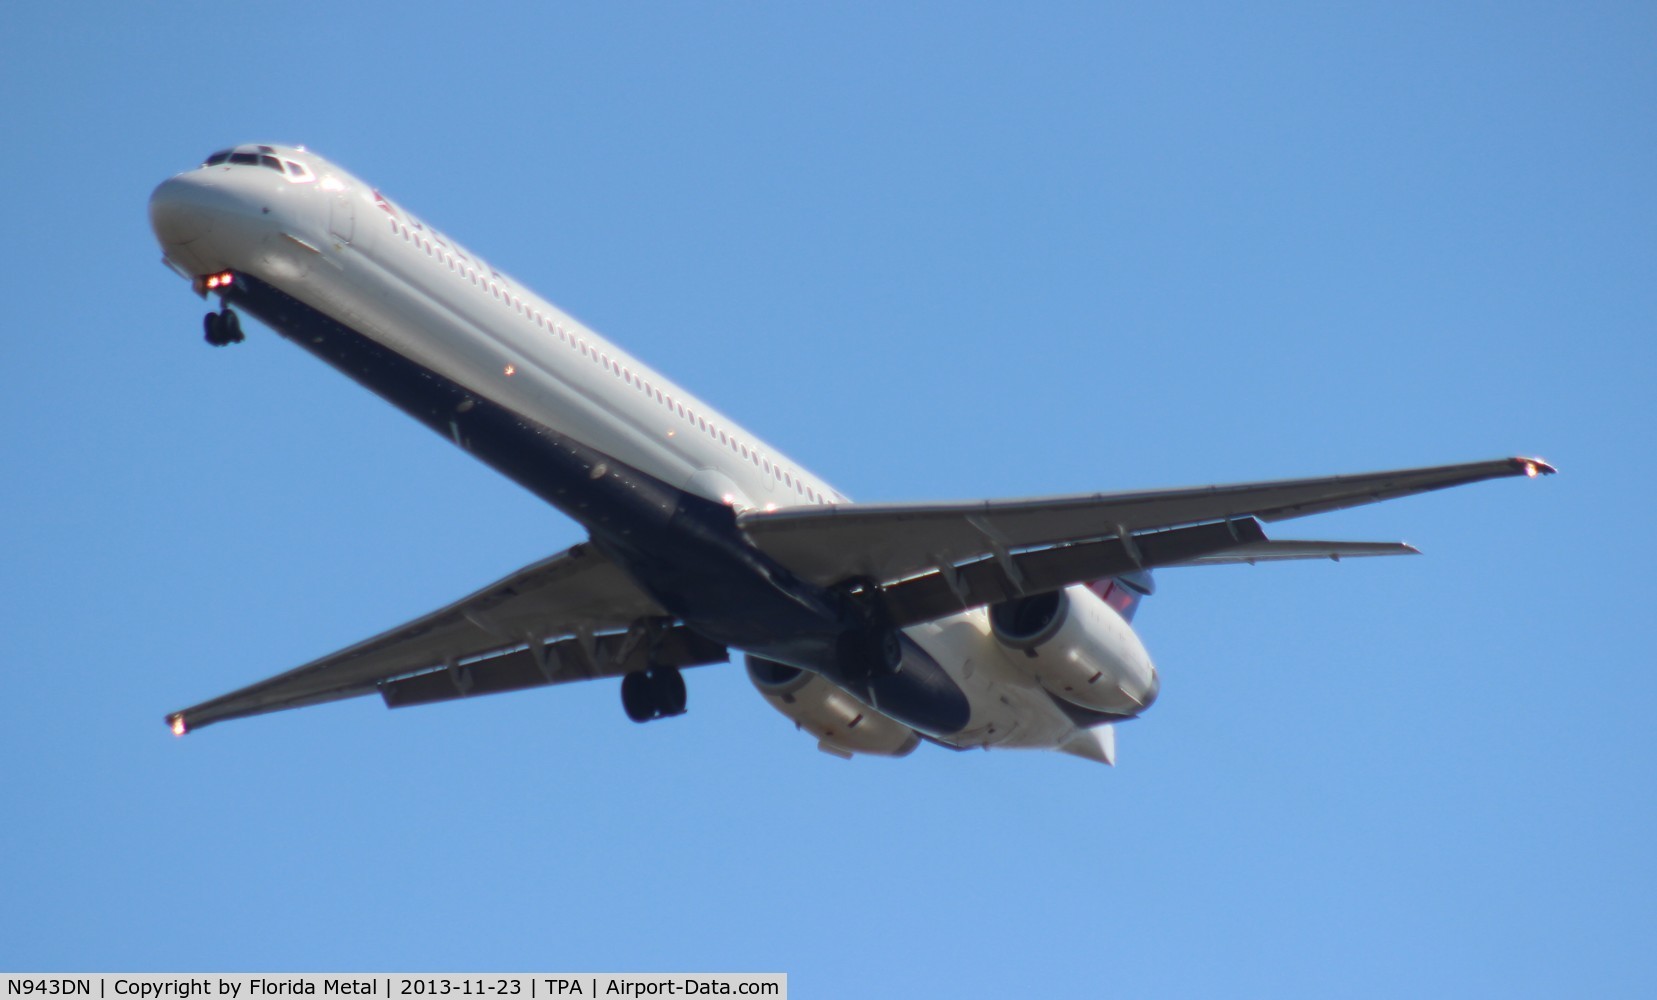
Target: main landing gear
[653, 694]
[223, 328]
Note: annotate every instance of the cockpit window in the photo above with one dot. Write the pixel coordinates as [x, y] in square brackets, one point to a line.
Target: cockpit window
[256, 160]
[298, 173]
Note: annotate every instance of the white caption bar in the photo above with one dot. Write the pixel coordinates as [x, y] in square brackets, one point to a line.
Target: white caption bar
[394, 986]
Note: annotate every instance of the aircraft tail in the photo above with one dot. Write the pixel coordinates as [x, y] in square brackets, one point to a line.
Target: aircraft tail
[1124, 592]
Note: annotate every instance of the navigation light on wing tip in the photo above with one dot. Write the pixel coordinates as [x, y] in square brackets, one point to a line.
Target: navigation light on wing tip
[178, 726]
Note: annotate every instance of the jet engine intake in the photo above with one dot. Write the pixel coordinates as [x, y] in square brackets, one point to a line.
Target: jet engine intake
[1079, 649]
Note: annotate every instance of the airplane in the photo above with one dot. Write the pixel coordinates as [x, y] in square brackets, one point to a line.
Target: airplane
[873, 627]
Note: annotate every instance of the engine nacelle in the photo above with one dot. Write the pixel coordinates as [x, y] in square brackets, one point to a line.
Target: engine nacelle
[1078, 648]
[842, 724]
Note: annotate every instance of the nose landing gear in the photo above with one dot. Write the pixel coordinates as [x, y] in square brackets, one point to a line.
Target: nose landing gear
[223, 328]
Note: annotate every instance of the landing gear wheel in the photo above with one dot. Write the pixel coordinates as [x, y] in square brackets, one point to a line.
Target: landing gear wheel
[871, 653]
[668, 686]
[636, 697]
[889, 651]
[655, 694]
[222, 328]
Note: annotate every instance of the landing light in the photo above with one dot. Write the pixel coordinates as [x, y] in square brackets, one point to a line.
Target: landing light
[510, 370]
[1530, 469]
[178, 726]
[210, 282]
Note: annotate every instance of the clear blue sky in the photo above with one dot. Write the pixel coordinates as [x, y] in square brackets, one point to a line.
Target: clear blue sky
[933, 251]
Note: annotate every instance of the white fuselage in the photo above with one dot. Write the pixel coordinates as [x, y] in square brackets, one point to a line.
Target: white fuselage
[335, 244]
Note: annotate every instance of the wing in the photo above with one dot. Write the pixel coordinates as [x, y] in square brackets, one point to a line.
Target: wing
[493, 640]
[883, 543]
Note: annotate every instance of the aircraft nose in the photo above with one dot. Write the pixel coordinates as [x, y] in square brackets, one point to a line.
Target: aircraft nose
[181, 211]
[185, 208]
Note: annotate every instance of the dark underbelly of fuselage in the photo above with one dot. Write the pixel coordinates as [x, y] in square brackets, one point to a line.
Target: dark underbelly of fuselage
[685, 550]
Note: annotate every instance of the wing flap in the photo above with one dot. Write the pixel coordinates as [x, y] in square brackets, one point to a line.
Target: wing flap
[1274, 550]
[553, 663]
[578, 590]
[948, 590]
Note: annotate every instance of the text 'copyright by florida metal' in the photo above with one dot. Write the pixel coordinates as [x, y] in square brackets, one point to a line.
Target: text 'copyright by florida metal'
[395, 986]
